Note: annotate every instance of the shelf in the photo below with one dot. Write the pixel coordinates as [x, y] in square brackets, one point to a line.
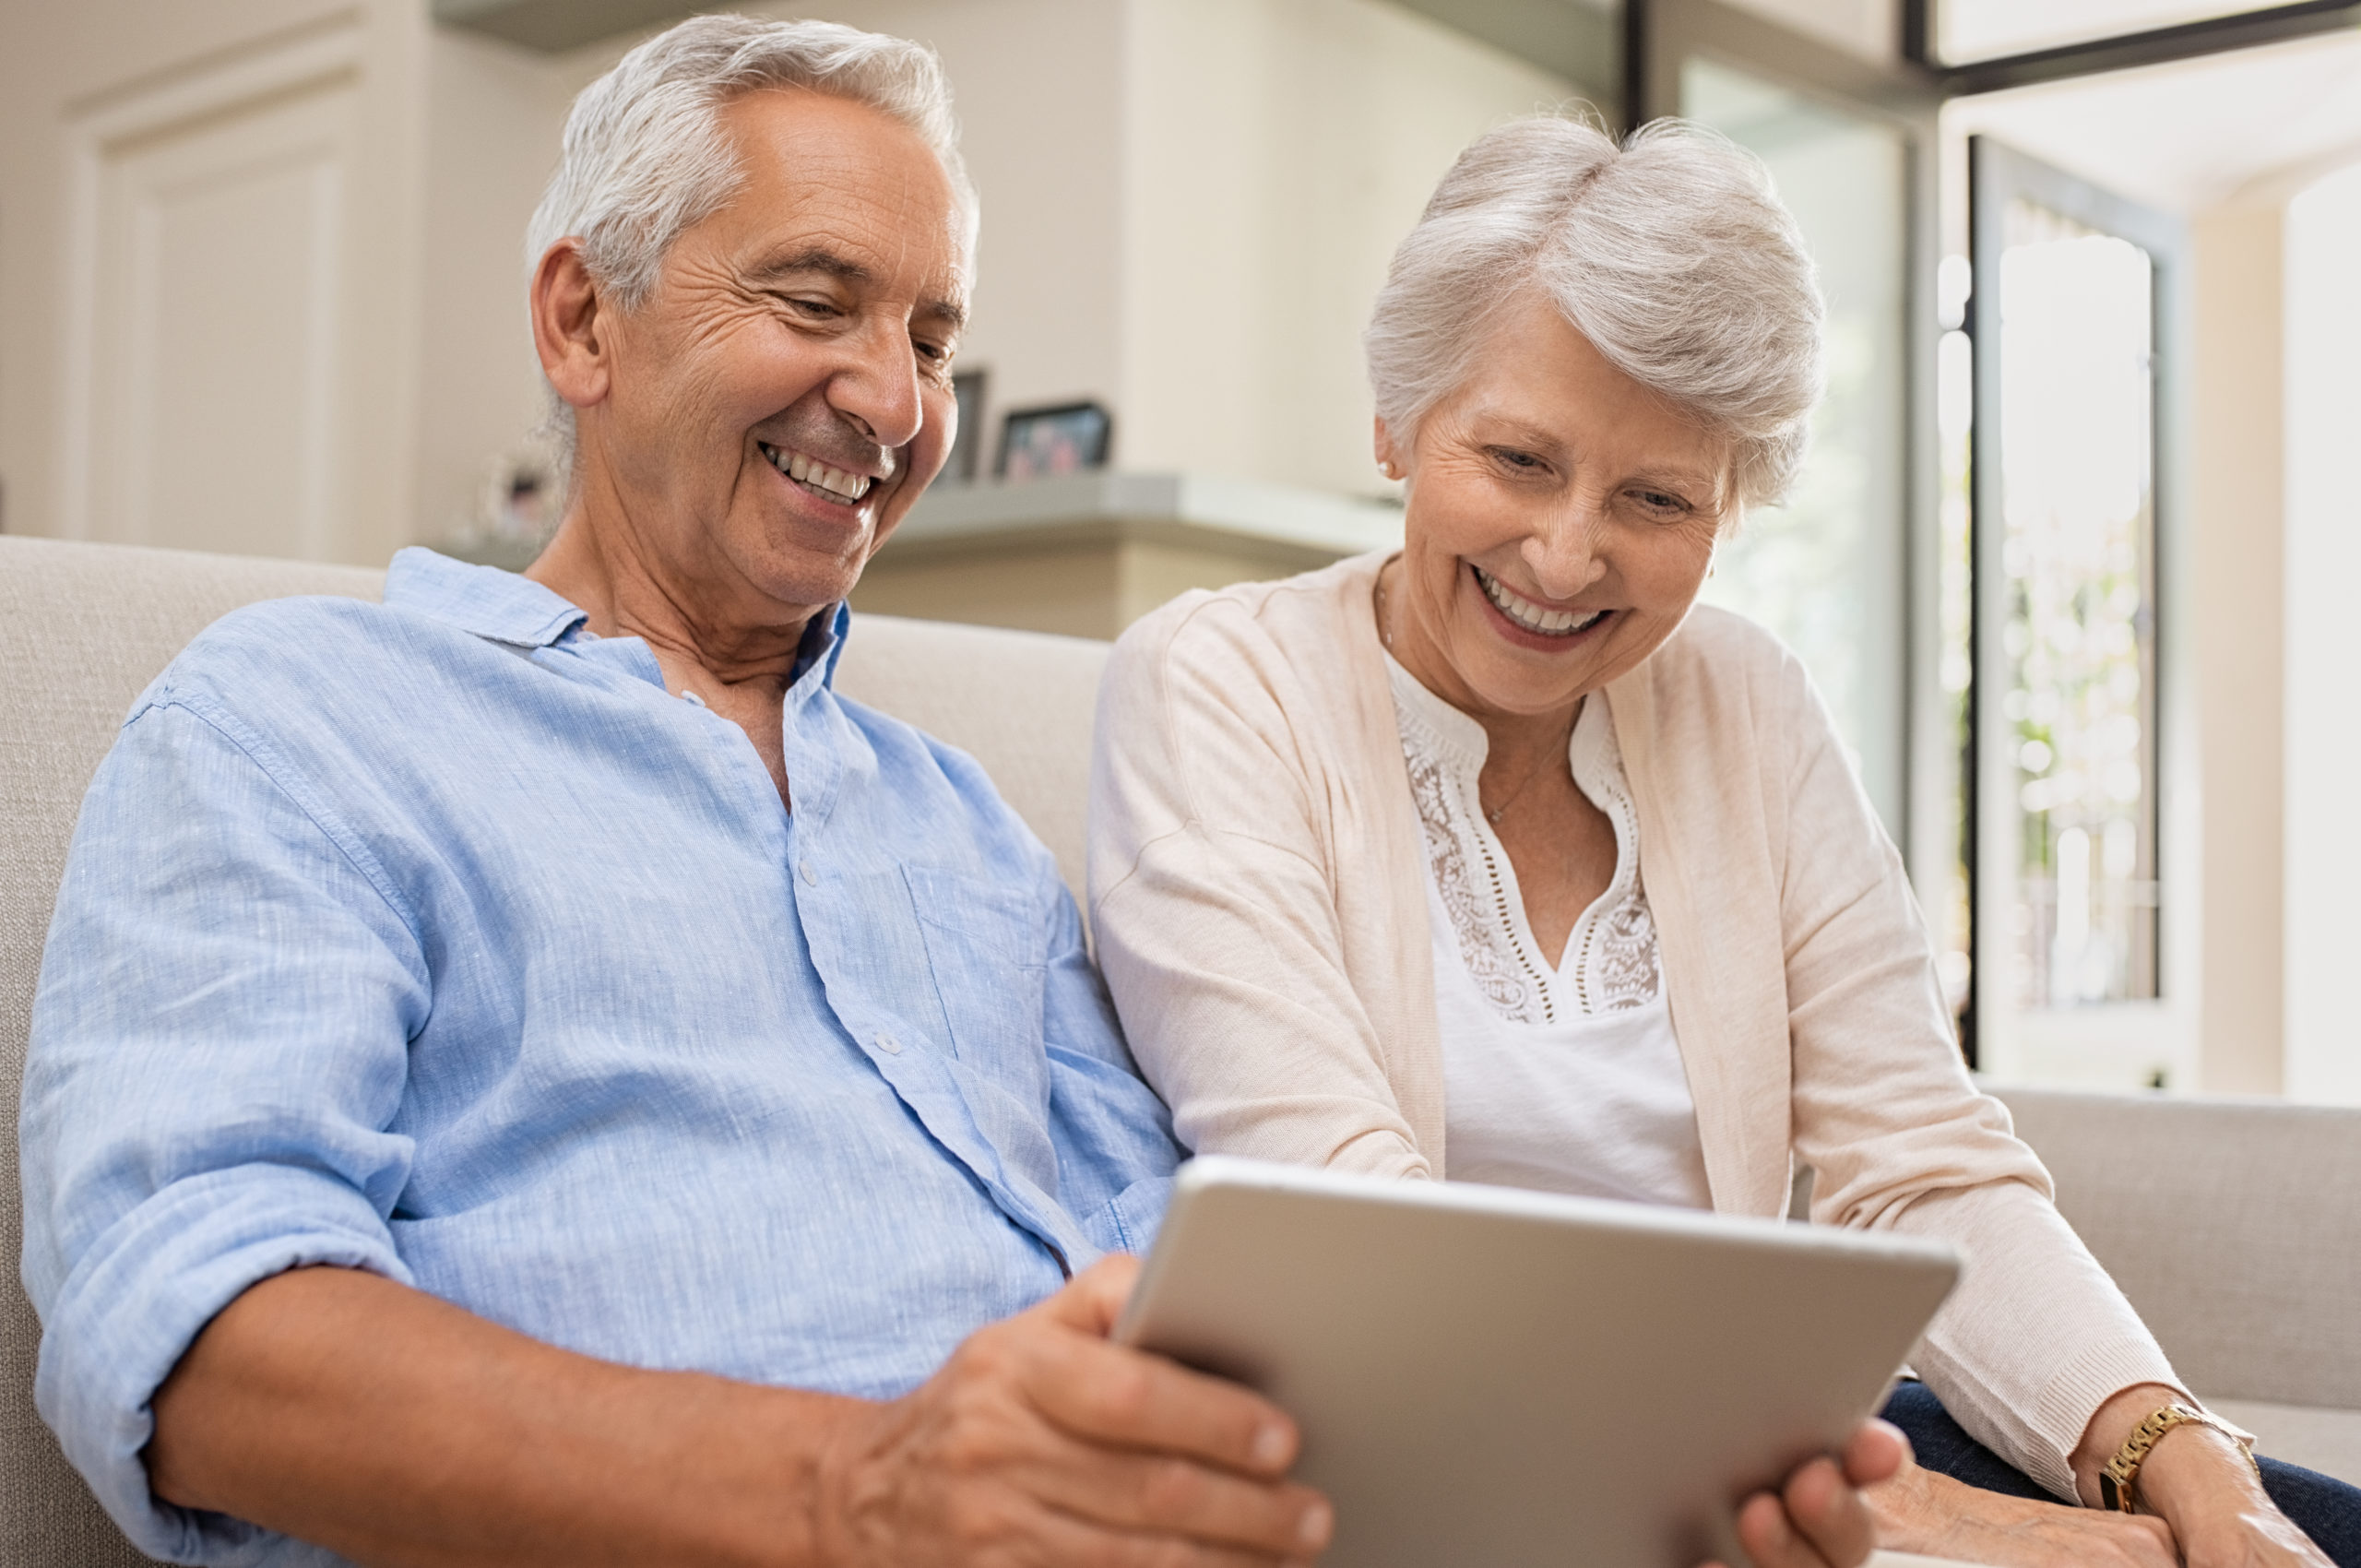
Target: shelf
[988, 514]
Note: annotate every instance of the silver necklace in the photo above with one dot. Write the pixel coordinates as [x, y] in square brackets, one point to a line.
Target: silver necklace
[1493, 813]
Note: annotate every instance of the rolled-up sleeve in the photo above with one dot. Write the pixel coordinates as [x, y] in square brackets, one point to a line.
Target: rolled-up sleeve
[218, 1057]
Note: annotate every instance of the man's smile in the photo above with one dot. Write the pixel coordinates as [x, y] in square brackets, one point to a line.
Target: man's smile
[828, 483]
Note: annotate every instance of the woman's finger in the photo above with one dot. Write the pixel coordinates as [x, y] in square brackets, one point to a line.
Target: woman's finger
[1831, 1512]
[1771, 1539]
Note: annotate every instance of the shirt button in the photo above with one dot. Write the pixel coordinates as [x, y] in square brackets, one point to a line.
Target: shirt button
[811, 877]
[889, 1045]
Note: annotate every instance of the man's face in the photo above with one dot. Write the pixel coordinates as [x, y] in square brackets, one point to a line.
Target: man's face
[783, 394]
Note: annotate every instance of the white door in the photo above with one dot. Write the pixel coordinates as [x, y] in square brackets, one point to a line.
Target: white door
[205, 359]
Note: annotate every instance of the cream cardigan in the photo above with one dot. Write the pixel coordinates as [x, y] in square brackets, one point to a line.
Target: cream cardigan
[1257, 892]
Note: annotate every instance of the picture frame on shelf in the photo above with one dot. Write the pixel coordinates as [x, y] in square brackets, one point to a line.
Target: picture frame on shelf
[1062, 438]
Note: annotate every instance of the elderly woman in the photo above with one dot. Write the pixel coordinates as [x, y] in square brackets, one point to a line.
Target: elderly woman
[1497, 858]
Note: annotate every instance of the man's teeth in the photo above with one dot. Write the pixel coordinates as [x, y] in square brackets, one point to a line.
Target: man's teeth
[1531, 616]
[836, 481]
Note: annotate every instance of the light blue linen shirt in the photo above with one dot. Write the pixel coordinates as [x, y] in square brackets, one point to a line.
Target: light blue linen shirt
[436, 938]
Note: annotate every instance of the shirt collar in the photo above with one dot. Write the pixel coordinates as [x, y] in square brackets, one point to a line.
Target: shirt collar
[507, 607]
[485, 601]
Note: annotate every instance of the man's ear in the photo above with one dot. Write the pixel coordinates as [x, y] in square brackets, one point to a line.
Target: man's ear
[571, 327]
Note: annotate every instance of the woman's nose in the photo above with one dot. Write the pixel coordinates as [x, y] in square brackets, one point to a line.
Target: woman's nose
[1567, 555]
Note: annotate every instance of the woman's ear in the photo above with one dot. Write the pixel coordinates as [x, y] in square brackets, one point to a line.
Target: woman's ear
[1388, 462]
[570, 326]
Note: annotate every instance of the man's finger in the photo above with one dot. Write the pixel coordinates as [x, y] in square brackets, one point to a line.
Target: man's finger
[1093, 1299]
[1162, 1494]
[1064, 1540]
[1128, 1398]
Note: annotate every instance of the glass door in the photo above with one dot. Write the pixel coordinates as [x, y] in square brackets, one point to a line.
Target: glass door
[2070, 774]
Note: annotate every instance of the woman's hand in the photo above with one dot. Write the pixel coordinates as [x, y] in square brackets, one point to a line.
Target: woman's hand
[1820, 1518]
[2200, 1484]
[1920, 1510]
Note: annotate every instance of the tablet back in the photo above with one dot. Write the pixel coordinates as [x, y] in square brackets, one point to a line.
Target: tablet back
[1488, 1378]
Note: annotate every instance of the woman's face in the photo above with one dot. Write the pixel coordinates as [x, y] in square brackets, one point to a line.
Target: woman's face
[1560, 520]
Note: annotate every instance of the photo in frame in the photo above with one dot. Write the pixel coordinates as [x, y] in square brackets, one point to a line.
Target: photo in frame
[1046, 442]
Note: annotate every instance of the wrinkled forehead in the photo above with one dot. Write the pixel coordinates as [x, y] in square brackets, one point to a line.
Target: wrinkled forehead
[821, 175]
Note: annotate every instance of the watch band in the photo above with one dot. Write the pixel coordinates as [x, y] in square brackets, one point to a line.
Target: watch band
[2119, 1481]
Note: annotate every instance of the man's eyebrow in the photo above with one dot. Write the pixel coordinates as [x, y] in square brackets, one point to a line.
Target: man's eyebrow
[814, 258]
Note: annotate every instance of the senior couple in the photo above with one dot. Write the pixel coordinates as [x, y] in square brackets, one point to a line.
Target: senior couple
[524, 1073]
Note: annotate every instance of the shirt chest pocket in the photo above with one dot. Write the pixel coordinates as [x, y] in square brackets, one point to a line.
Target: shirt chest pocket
[986, 945]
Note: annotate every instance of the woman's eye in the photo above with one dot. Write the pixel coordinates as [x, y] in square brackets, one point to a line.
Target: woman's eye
[1515, 458]
[1660, 500]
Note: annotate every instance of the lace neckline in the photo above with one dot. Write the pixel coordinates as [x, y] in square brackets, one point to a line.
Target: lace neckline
[1610, 960]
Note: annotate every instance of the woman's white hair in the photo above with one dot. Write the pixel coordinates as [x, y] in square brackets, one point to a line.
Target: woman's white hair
[645, 154]
[1669, 253]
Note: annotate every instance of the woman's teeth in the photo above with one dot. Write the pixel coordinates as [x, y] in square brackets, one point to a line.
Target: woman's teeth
[839, 484]
[1522, 611]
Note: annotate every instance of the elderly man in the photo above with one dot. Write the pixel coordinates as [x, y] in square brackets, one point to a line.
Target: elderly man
[526, 1074]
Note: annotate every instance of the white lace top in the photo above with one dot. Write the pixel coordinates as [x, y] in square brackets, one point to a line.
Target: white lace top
[1568, 1078]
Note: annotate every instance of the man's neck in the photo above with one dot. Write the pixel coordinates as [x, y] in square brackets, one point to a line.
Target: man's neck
[738, 665]
[685, 616]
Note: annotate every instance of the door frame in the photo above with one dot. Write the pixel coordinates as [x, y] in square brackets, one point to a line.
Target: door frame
[1998, 173]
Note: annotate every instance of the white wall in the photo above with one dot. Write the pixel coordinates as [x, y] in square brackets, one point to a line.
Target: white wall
[1278, 150]
[2235, 512]
[1189, 206]
[2323, 703]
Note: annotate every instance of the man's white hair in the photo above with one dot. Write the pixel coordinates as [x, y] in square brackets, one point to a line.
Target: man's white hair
[1669, 253]
[645, 154]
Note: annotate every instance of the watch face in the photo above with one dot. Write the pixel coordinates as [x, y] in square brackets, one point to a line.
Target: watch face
[2108, 1496]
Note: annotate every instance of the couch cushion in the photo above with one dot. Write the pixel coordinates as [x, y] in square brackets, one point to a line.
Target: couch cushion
[2326, 1441]
[2231, 1224]
[1020, 702]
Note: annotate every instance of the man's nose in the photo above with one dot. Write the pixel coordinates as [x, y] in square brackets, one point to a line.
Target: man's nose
[1567, 552]
[878, 388]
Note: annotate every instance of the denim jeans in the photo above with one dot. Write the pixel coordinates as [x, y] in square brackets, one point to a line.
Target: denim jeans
[2325, 1508]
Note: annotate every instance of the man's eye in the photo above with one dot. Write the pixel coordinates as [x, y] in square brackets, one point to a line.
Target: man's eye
[816, 310]
[1515, 458]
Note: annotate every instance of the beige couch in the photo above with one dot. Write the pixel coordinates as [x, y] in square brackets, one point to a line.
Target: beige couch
[2237, 1227]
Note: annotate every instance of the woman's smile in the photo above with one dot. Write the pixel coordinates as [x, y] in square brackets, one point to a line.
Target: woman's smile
[1532, 621]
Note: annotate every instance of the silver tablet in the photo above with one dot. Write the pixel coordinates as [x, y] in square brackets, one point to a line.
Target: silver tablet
[1486, 1378]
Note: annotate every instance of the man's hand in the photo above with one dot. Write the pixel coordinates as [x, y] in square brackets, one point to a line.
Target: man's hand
[1820, 1518]
[1041, 1441]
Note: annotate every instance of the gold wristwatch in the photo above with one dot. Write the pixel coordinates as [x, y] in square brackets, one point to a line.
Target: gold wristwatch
[2119, 1483]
